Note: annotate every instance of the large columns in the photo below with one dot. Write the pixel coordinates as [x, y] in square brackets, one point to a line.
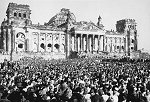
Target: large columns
[124, 45]
[59, 42]
[72, 42]
[115, 44]
[84, 42]
[75, 42]
[136, 41]
[87, 43]
[101, 43]
[120, 45]
[110, 44]
[9, 40]
[113, 47]
[90, 42]
[96, 43]
[27, 45]
[5, 39]
[12, 42]
[81, 42]
[93, 41]
[128, 43]
[78, 43]
[38, 37]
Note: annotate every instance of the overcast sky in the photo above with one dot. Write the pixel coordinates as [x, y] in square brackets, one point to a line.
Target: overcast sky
[89, 10]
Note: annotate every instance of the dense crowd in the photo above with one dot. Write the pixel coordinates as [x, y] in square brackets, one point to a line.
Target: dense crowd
[75, 80]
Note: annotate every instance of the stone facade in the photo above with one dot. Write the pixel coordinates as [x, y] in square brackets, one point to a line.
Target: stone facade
[63, 34]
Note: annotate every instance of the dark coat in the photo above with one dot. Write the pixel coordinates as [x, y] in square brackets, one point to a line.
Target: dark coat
[77, 97]
[97, 98]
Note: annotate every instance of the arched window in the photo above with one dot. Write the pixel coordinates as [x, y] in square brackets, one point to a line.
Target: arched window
[15, 14]
[21, 35]
[42, 46]
[20, 45]
[19, 14]
[57, 46]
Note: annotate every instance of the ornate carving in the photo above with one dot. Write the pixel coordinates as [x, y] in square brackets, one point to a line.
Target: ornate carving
[86, 26]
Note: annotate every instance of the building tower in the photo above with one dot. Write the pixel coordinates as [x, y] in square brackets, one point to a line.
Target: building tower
[128, 27]
[17, 16]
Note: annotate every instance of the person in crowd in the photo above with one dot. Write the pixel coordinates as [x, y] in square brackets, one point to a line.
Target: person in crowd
[87, 95]
[78, 96]
[96, 97]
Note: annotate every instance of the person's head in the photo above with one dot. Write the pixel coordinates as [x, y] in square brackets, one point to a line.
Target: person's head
[20, 85]
[64, 85]
[85, 90]
[78, 89]
[100, 92]
[147, 92]
[95, 90]
[115, 90]
[1, 88]
[82, 85]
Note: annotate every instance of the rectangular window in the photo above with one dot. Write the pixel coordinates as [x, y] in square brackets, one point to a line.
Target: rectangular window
[15, 14]
[19, 14]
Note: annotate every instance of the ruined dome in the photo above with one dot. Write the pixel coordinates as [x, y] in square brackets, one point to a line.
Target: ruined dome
[61, 17]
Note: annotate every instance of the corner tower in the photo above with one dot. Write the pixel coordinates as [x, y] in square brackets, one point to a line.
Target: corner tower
[18, 14]
[128, 28]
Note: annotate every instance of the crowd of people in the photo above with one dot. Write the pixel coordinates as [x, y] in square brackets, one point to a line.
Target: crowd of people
[75, 80]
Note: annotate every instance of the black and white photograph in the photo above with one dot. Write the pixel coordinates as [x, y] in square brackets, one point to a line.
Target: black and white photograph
[74, 51]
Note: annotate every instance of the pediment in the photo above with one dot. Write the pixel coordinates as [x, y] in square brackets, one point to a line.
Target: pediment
[86, 26]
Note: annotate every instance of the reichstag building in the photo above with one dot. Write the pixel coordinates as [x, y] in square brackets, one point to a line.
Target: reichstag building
[62, 34]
